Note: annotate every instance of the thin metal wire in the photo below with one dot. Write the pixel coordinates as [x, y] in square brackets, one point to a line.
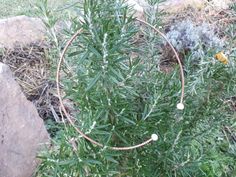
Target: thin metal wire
[176, 55]
[68, 116]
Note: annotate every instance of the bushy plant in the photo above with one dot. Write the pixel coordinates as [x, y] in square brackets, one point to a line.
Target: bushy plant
[186, 36]
[124, 99]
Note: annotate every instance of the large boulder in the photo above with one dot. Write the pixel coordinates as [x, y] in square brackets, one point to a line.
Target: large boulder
[22, 131]
[21, 30]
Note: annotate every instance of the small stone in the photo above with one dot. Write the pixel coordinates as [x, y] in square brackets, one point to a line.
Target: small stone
[138, 6]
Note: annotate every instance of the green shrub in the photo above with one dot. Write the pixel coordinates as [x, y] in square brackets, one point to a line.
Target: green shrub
[123, 99]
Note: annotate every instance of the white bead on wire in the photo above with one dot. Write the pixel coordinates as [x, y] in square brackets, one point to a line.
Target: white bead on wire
[154, 137]
[180, 106]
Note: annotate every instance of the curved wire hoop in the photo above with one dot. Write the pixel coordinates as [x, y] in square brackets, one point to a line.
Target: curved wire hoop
[154, 137]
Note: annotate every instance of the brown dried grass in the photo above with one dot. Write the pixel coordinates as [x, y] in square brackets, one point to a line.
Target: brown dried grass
[218, 19]
[31, 69]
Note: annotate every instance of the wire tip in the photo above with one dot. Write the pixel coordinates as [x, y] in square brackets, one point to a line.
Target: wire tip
[154, 137]
[180, 106]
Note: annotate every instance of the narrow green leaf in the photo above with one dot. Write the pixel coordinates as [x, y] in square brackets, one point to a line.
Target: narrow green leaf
[74, 53]
[93, 162]
[93, 82]
[81, 60]
[94, 51]
[117, 73]
[128, 120]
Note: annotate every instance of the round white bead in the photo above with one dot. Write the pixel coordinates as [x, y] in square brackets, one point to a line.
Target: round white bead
[180, 106]
[154, 137]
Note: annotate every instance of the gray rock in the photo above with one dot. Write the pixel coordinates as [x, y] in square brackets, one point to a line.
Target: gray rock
[21, 30]
[22, 131]
[175, 6]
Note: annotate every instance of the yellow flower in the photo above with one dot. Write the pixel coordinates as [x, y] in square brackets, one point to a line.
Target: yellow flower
[222, 58]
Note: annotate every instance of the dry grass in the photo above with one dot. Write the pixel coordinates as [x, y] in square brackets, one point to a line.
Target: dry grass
[219, 19]
[32, 71]
[29, 63]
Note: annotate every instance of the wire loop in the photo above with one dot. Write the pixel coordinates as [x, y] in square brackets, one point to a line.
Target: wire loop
[154, 137]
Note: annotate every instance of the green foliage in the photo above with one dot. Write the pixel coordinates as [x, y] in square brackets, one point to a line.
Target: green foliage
[123, 99]
[23, 7]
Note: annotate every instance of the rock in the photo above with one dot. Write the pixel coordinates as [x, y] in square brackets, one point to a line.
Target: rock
[138, 6]
[21, 30]
[22, 132]
[223, 4]
[175, 6]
